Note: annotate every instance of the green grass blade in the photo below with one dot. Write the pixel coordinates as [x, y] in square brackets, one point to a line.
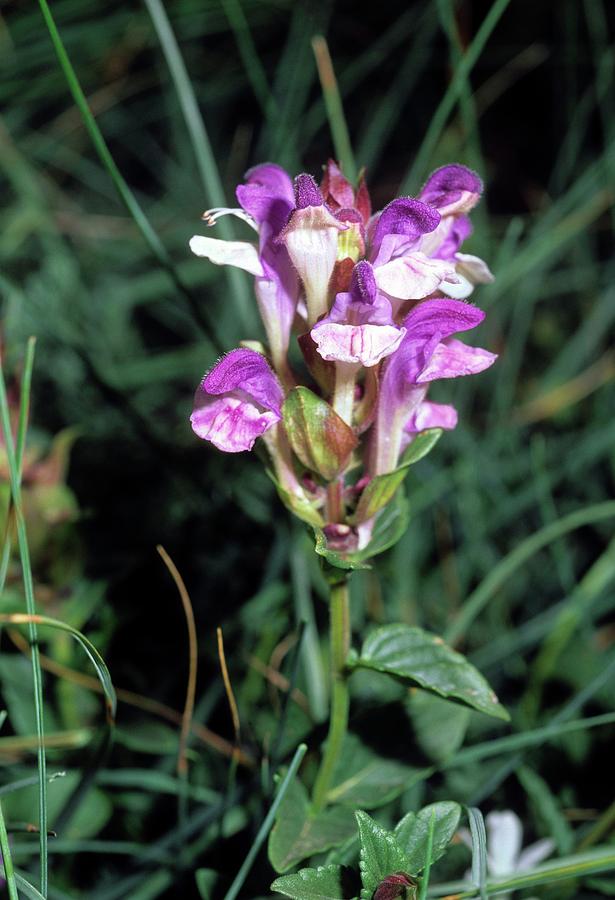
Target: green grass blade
[9, 872]
[22, 427]
[250, 58]
[265, 828]
[37, 675]
[95, 658]
[418, 169]
[498, 576]
[335, 110]
[479, 850]
[126, 195]
[203, 152]
[28, 889]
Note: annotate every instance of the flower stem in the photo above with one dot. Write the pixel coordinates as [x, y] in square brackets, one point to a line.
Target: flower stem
[338, 719]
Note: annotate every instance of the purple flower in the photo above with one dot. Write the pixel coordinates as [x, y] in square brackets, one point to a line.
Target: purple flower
[310, 236]
[428, 415]
[453, 191]
[360, 327]
[266, 200]
[402, 269]
[239, 400]
[428, 352]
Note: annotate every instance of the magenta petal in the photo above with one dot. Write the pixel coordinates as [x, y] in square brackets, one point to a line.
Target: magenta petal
[267, 196]
[237, 401]
[441, 318]
[307, 192]
[452, 188]
[407, 217]
[231, 424]
[432, 415]
[453, 358]
[248, 371]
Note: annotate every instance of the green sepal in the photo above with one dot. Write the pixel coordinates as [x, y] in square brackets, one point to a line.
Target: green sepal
[381, 489]
[298, 506]
[418, 657]
[319, 437]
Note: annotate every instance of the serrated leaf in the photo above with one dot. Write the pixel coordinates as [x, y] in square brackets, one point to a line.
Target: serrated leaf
[320, 438]
[297, 835]
[381, 489]
[363, 779]
[323, 883]
[380, 854]
[412, 833]
[440, 725]
[422, 658]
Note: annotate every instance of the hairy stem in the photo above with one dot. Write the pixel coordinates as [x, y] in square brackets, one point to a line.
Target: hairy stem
[338, 719]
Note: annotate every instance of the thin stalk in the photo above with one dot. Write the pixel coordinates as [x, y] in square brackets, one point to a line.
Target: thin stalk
[265, 828]
[22, 540]
[9, 872]
[338, 720]
[335, 110]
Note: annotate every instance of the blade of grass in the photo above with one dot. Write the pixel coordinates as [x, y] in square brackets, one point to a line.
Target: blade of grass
[22, 539]
[203, 152]
[335, 110]
[95, 658]
[7, 859]
[126, 195]
[266, 826]
[504, 569]
[439, 119]
[250, 58]
[479, 850]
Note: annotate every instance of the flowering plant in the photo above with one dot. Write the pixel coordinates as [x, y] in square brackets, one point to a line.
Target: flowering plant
[377, 301]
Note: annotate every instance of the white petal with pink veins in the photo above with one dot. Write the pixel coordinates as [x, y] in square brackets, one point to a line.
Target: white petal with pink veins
[240, 254]
[230, 423]
[365, 344]
[473, 268]
[414, 276]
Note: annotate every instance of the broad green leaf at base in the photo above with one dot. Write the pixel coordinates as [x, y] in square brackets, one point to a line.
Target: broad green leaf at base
[323, 883]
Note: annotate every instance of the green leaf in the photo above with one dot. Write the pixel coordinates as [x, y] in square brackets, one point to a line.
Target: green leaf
[363, 779]
[380, 854]
[320, 438]
[205, 882]
[412, 834]
[439, 725]
[381, 489]
[297, 834]
[391, 524]
[323, 883]
[422, 658]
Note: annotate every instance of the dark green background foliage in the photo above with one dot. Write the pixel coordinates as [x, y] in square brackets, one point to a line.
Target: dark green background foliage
[121, 348]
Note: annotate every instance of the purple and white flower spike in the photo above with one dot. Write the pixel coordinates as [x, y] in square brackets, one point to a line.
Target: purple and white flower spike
[239, 400]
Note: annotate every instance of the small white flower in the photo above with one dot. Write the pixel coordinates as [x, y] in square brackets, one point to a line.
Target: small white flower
[504, 843]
